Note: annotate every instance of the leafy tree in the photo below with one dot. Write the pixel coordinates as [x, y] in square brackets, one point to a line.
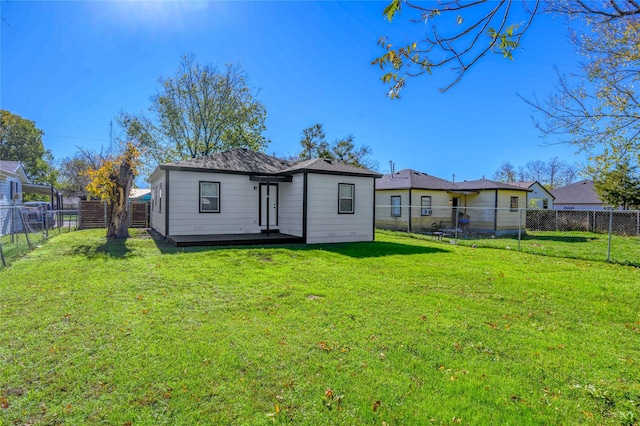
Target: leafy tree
[112, 182]
[620, 186]
[73, 174]
[314, 145]
[21, 140]
[454, 42]
[552, 173]
[201, 111]
[599, 111]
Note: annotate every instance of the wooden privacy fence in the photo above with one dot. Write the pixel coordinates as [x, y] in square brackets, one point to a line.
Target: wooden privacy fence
[97, 214]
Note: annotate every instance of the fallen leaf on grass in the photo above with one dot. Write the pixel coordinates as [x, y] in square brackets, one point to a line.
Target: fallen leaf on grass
[330, 399]
[323, 345]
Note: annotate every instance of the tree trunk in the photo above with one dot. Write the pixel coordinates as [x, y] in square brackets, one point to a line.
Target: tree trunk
[119, 226]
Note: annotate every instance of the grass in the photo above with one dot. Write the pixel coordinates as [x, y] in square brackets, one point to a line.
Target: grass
[401, 330]
[571, 245]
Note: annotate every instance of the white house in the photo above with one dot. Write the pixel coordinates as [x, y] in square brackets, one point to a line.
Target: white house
[243, 196]
[12, 180]
[538, 197]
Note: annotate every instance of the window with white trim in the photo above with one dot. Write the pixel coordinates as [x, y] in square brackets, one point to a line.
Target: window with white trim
[346, 194]
[396, 206]
[425, 206]
[209, 197]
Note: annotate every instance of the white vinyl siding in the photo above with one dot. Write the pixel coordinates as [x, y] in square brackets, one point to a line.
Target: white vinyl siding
[238, 206]
[9, 185]
[324, 223]
[290, 209]
[157, 218]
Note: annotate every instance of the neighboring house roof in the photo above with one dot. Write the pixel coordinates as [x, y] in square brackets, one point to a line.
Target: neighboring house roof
[13, 168]
[408, 178]
[532, 183]
[484, 184]
[582, 192]
[139, 192]
[246, 161]
[412, 179]
[528, 184]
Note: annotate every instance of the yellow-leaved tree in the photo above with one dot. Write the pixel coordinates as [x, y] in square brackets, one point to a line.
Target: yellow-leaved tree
[112, 182]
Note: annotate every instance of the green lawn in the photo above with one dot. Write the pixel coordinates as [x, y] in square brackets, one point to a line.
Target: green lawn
[401, 330]
[573, 245]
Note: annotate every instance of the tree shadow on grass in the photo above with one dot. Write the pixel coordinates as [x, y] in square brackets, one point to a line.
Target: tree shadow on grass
[358, 250]
[372, 249]
[115, 248]
[559, 238]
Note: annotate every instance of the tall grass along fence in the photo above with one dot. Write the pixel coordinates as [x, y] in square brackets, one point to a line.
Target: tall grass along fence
[603, 235]
[23, 228]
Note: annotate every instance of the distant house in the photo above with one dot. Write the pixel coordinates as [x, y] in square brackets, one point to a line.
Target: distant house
[415, 201]
[239, 196]
[140, 194]
[12, 180]
[578, 196]
[538, 197]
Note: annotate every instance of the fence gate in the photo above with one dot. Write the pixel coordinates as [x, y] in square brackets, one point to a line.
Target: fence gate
[97, 214]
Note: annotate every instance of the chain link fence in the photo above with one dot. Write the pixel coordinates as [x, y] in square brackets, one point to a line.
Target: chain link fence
[602, 235]
[23, 228]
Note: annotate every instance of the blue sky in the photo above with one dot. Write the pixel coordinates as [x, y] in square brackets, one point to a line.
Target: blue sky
[73, 66]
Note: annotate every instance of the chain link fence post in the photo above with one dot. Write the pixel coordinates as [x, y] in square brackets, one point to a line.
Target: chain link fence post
[610, 232]
[520, 226]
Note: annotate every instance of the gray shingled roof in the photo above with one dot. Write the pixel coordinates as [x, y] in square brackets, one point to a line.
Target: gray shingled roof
[582, 192]
[525, 185]
[487, 184]
[329, 166]
[8, 166]
[407, 178]
[242, 160]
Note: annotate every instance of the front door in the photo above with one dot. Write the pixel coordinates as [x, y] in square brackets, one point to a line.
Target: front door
[454, 211]
[269, 205]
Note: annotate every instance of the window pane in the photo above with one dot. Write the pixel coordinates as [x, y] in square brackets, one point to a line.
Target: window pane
[209, 204]
[426, 201]
[346, 191]
[346, 205]
[396, 206]
[209, 189]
